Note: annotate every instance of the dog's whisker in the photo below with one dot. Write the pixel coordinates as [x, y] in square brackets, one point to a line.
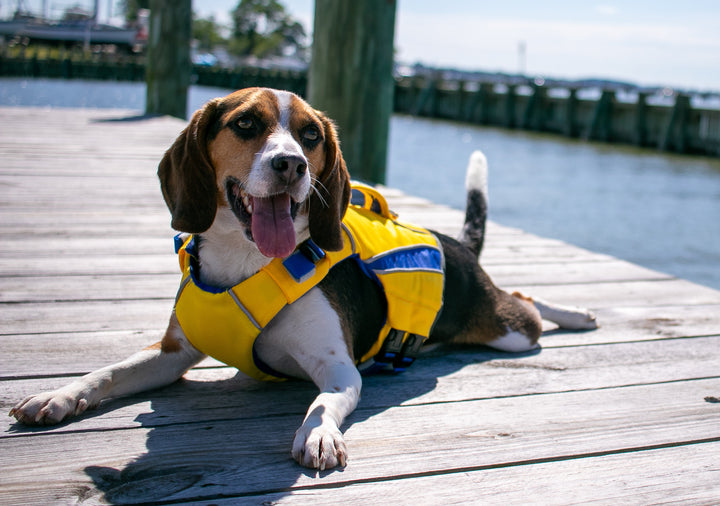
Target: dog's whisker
[316, 187]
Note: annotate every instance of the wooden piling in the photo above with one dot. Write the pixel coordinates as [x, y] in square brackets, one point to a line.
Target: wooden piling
[570, 129]
[351, 78]
[675, 138]
[600, 127]
[510, 101]
[483, 95]
[426, 100]
[168, 57]
[533, 116]
[641, 120]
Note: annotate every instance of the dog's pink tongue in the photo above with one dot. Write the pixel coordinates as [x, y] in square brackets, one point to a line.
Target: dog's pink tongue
[272, 225]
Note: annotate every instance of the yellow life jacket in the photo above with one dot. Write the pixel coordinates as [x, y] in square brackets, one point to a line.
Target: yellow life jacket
[405, 260]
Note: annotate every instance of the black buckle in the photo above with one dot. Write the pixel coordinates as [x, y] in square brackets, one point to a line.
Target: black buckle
[409, 352]
[399, 349]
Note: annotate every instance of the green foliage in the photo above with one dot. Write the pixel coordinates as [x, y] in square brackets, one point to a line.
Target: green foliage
[261, 28]
[264, 28]
[207, 32]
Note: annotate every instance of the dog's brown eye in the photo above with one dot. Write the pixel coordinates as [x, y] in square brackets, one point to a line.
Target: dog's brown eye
[310, 137]
[311, 134]
[247, 126]
[245, 123]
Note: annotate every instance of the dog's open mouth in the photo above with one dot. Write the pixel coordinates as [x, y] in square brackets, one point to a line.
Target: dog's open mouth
[268, 220]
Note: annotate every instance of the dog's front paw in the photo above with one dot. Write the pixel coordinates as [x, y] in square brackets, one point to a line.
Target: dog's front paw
[48, 408]
[319, 446]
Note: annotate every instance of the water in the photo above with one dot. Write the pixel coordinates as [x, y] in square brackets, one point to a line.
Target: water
[658, 210]
[78, 93]
[655, 209]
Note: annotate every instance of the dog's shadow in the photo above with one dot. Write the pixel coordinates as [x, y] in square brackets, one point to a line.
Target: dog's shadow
[232, 437]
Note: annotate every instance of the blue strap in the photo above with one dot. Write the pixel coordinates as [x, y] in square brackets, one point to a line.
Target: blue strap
[178, 242]
[301, 264]
[416, 258]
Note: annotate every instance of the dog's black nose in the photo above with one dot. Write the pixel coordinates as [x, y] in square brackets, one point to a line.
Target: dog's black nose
[289, 163]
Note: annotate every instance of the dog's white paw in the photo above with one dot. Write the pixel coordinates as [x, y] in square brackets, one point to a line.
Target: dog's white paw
[319, 446]
[48, 408]
[567, 317]
[575, 319]
[583, 320]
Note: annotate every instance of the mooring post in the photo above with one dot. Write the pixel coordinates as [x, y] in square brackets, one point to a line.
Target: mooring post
[461, 111]
[570, 126]
[168, 69]
[675, 135]
[426, 100]
[534, 114]
[641, 109]
[485, 96]
[510, 105]
[600, 128]
[351, 78]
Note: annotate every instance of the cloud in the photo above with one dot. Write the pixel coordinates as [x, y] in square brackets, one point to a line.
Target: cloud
[646, 52]
[606, 9]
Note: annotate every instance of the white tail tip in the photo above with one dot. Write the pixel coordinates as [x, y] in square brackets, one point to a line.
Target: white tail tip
[477, 173]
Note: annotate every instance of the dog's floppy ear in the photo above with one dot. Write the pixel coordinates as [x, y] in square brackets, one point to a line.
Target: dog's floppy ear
[329, 201]
[187, 176]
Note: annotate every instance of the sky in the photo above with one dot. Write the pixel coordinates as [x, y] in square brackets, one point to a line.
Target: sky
[648, 42]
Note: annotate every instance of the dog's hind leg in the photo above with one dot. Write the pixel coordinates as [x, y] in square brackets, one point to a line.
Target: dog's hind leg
[524, 321]
[567, 317]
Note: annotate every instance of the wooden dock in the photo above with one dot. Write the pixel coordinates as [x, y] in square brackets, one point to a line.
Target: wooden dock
[626, 414]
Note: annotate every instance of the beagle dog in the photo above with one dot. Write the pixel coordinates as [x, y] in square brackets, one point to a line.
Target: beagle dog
[253, 176]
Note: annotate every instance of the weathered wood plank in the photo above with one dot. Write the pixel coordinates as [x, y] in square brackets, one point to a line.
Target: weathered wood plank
[496, 252]
[73, 352]
[623, 294]
[208, 392]
[97, 348]
[114, 244]
[101, 307]
[525, 274]
[639, 323]
[84, 316]
[87, 223]
[659, 476]
[384, 444]
[126, 275]
[91, 287]
[571, 272]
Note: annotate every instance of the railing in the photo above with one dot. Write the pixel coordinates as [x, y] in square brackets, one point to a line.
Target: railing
[591, 114]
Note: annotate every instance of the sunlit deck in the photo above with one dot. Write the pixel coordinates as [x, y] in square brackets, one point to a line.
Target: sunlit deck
[626, 414]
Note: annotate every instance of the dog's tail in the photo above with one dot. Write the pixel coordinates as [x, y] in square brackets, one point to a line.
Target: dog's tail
[473, 233]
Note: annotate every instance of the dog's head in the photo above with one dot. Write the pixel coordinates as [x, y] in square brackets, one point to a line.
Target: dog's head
[266, 158]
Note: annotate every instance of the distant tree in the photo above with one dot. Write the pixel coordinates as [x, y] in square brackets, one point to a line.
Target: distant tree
[131, 8]
[207, 32]
[76, 13]
[264, 28]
